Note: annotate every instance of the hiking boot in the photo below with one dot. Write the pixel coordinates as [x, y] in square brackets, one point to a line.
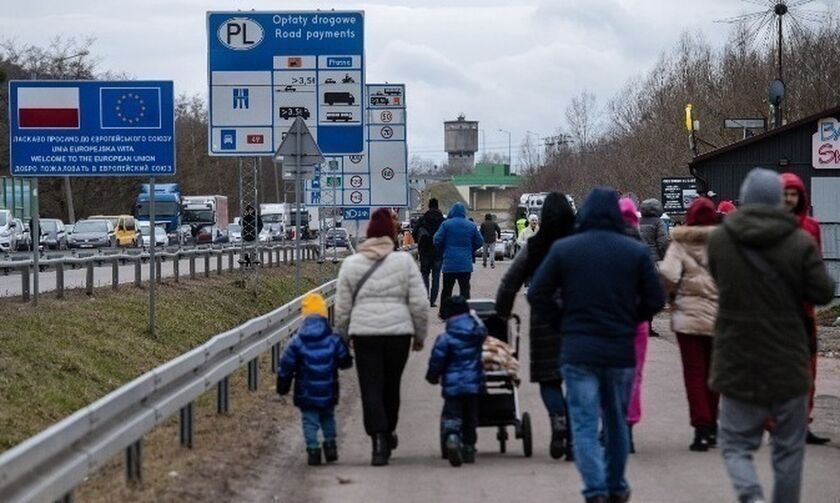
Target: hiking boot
[313, 456]
[559, 434]
[619, 497]
[468, 453]
[812, 439]
[453, 449]
[701, 440]
[381, 452]
[330, 451]
[597, 499]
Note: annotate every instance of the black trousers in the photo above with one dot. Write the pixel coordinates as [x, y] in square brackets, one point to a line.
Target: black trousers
[380, 360]
[449, 279]
[460, 416]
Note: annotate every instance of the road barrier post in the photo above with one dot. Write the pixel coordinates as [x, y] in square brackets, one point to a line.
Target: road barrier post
[275, 356]
[230, 260]
[253, 367]
[115, 274]
[192, 266]
[89, 278]
[285, 255]
[270, 258]
[134, 462]
[206, 264]
[138, 272]
[158, 267]
[176, 268]
[187, 419]
[59, 280]
[219, 264]
[223, 396]
[24, 283]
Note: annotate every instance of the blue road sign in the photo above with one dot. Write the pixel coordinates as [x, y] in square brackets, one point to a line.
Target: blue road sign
[267, 68]
[86, 128]
[359, 213]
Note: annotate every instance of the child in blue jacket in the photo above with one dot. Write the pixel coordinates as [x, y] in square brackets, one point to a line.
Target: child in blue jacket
[456, 360]
[312, 358]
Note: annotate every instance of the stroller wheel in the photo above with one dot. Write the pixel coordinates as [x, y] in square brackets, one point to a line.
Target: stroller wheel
[502, 436]
[527, 439]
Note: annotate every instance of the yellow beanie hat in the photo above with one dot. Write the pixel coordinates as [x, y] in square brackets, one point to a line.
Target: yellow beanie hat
[313, 303]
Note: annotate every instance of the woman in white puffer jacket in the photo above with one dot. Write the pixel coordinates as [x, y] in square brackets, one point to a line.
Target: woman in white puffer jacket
[387, 317]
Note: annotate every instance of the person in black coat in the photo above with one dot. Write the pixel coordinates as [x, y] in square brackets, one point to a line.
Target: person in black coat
[431, 258]
[558, 222]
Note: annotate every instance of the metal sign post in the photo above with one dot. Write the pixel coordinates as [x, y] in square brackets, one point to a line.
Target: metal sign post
[36, 240]
[300, 146]
[152, 262]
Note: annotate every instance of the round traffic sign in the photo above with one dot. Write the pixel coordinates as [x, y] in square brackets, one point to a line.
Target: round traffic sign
[356, 197]
[386, 116]
[356, 181]
[387, 173]
[387, 132]
[356, 159]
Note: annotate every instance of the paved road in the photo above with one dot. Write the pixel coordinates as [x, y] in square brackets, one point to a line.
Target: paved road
[662, 470]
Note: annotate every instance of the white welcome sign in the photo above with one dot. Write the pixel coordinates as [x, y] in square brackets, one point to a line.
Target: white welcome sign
[825, 144]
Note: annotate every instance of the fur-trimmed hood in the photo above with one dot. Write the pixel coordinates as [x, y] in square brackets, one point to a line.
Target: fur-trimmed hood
[692, 234]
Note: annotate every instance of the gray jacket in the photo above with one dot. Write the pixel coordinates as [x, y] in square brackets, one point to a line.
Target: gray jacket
[653, 230]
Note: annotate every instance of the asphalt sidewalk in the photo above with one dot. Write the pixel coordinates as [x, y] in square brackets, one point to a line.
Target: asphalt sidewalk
[663, 470]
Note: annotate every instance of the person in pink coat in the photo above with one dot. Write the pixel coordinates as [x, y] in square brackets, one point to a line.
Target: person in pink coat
[631, 217]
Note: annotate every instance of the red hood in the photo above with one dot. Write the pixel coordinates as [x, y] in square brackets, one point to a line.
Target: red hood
[792, 181]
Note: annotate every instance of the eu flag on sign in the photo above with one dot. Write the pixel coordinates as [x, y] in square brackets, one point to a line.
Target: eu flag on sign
[130, 107]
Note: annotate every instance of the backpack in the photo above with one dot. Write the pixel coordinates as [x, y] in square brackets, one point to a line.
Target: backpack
[425, 240]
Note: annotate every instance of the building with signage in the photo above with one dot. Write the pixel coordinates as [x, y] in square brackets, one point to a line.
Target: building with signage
[491, 188]
[809, 147]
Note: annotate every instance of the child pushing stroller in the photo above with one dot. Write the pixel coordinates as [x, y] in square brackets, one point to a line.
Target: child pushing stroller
[312, 358]
[456, 363]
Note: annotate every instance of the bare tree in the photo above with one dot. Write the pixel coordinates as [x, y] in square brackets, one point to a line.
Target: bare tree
[582, 119]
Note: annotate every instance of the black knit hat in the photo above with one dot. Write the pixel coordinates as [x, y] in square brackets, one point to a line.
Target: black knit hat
[453, 306]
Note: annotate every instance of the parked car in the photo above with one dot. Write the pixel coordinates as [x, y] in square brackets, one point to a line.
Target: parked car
[92, 234]
[337, 237]
[53, 234]
[7, 231]
[161, 239]
[235, 233]
[509, 238]
[24, 237]
[503, 249]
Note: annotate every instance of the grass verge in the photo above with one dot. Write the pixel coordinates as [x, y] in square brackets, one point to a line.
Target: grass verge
[65, 354]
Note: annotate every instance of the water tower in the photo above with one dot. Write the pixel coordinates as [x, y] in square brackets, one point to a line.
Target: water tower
[460, 138]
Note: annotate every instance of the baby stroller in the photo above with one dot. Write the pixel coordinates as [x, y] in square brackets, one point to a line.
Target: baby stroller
[498, 406]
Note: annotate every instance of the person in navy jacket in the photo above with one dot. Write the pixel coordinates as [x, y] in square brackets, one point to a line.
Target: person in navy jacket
[312, 359]
[455, 362]
[457, 239]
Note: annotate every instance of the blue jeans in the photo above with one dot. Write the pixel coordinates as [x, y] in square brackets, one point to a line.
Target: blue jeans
[315, 419]
[594, 393]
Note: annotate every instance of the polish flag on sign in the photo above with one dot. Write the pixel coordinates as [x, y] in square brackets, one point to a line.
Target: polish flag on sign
[48, 107]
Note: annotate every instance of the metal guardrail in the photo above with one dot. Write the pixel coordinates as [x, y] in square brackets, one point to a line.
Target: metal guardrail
[272, 253]
[49, 466]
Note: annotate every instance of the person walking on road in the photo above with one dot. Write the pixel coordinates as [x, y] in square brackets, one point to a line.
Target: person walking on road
[545, 338]
[490, 231]
[312, 359]
[608, 285]
[430, 257]
[529, 231]
[655, 234]
[456, 360]
[630, 215]
[766, 268]
[457, 239]
[694, 304]
[382, 306]
[796, 202]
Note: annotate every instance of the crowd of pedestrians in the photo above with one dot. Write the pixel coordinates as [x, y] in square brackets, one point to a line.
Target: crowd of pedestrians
[742, 284]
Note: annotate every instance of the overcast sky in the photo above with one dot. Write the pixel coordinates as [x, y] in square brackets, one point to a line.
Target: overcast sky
[510, 64]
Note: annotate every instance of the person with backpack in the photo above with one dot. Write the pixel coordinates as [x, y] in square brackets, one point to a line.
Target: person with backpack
[456, 363]
[312, 359]
[766, 269]
[382, 306]
[430, 257]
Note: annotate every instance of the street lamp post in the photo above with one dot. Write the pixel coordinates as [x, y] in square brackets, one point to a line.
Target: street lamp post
[510, 162]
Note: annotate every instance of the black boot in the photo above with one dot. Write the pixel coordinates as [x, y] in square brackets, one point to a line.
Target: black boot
[330, 451]
[381, 452]
[712, 436]
[453, 449]
[632, 444]
[393, 441]
[812, 439]
[701, 440]
[597, 499]
[314, 456]
[619, 497]
[559, 433]
[469, 454]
